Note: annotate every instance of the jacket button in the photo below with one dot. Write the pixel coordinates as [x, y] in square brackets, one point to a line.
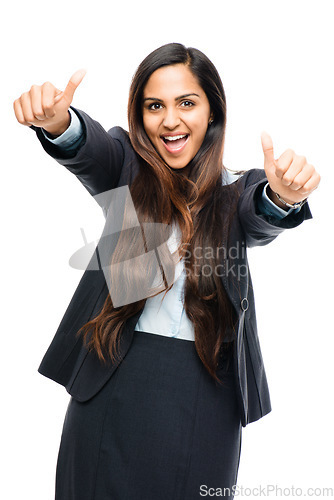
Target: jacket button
[244, 304]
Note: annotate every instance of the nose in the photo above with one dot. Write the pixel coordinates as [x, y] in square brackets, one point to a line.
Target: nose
[171, 118]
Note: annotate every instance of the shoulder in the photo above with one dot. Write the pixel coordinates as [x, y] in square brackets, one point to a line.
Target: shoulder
[121, 137]
[120, 134]
[95, 131]
[243, 178]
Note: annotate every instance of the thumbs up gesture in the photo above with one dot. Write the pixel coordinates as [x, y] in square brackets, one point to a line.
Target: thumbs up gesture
[46, 107]
[290, 175]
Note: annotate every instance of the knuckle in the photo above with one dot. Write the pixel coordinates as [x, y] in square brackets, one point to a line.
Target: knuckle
[287, 178]
[302, 190]
[49, 110]
[280, 170]
[48, 106]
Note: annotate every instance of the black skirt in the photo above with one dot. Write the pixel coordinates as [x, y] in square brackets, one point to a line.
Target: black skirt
[161, 428]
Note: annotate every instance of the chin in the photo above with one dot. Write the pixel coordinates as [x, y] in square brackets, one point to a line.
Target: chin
[176, 165]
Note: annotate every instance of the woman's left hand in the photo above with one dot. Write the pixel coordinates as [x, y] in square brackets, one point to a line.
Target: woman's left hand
[290, 176]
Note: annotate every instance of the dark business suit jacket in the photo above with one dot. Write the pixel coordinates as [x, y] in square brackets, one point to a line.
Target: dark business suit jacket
[106, 160]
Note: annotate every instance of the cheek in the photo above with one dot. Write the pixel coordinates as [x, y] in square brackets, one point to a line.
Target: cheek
[199, 130]
[150, 128]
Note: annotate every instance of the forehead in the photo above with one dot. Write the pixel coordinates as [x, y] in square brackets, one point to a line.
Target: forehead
[171, 81]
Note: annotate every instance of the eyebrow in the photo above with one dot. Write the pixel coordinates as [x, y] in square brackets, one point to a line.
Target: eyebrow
[176, 98]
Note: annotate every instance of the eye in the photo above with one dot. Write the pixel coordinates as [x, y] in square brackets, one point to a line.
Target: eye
[187, 104]
[154, 106]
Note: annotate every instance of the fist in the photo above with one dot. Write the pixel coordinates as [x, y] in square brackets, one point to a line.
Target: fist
[290, 175]
[46, 106]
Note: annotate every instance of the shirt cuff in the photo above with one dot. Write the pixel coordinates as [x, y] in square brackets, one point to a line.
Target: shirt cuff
[71, 135]
[268, 207]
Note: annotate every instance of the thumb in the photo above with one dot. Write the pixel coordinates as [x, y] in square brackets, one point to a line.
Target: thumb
[73, 84]
[268, 150]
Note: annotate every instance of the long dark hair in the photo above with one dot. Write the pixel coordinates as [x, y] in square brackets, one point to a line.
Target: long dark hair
[198, 202]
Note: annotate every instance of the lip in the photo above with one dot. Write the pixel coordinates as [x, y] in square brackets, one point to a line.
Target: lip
[177, 150]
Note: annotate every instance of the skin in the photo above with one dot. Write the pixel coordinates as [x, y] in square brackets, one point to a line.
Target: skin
[47, 107]
[166, 112]
[291, 176]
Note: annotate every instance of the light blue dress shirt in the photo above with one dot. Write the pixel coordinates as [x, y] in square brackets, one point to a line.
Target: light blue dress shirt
[164, 314]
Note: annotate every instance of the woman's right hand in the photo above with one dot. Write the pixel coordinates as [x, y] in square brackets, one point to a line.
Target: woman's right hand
[46, 107]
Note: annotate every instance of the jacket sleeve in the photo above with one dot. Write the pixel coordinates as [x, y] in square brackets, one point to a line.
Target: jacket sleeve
[97, 161]
[260, 229]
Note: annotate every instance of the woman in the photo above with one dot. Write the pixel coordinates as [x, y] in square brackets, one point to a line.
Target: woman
[162, 383]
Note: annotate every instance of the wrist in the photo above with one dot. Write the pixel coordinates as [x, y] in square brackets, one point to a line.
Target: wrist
[58, 129]
[272, 196]
[283, 202]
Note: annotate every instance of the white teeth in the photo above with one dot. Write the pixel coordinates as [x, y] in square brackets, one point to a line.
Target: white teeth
[174, 137]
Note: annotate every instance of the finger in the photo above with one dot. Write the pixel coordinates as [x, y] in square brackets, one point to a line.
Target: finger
[27, 109]
[36, 102]
[268, 149]
[58, 96]
[296, 167]
[50, 96]
[19, 113]
[303, 177]
[313, 182]
[73, 84]
[49, 92]
[283, 163]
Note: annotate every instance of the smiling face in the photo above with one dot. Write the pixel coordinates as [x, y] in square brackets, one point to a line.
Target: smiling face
[176, 114]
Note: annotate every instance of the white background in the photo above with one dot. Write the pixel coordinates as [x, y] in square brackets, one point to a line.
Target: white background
[276, 62]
